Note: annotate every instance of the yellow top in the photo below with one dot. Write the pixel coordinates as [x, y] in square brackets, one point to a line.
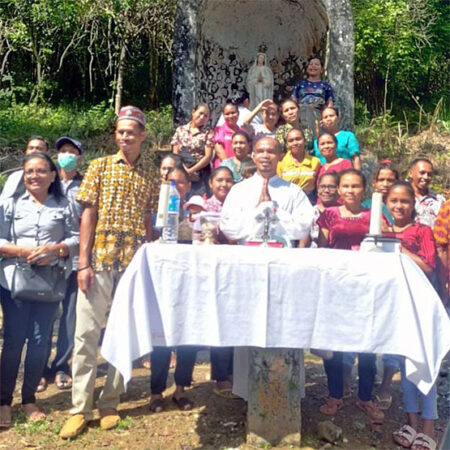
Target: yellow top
[302, 174]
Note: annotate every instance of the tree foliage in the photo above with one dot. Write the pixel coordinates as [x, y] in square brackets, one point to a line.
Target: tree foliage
[117, 51]
[401, 52]
[79, 50]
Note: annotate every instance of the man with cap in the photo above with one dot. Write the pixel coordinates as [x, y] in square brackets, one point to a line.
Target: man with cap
[35, 144]
[70, 154]
[116, 221]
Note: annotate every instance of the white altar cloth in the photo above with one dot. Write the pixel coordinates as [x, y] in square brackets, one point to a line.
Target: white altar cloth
[270, 297]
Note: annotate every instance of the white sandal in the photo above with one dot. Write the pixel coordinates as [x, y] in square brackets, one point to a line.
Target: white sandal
[406, 434]
[424, 442]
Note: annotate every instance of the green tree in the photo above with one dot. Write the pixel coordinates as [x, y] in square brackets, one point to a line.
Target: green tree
[399, 49]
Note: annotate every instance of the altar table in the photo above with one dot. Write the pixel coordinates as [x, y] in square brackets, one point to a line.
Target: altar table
[277, 298]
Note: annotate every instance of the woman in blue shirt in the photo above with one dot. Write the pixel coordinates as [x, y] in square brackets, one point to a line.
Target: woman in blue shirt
[348, 145]
[37, 225]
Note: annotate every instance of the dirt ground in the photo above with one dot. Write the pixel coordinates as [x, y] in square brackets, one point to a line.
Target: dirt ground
[214, 423]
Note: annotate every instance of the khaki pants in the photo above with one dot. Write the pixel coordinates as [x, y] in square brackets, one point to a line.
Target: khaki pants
[91, 316]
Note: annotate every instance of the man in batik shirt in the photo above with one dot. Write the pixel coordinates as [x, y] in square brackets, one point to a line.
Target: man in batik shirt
[116, 221]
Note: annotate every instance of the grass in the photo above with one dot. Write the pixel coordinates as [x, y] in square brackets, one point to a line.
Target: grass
[385, 136]
[125, 424]
[22, 426]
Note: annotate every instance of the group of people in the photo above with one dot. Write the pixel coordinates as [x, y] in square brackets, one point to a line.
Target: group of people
[308, 173]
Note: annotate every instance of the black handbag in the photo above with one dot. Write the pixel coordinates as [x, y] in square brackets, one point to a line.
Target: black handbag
[37, 283]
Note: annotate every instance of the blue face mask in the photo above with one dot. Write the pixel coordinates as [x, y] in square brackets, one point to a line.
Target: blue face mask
[67, 161]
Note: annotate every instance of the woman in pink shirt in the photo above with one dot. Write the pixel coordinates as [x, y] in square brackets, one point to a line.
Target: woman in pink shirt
[224, 134]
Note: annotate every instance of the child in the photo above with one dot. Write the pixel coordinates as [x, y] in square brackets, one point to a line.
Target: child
[249, 170]
[417, 242]
[195, 206]
[384, 177]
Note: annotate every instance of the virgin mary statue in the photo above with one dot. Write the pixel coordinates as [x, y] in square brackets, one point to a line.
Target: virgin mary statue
[259, 81]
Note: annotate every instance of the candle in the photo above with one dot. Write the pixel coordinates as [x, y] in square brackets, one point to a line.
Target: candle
[375, 213]
[161, 216]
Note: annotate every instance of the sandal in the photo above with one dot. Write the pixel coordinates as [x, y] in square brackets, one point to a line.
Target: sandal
[383, 403]
[332, 406]
[42, 386]
[372, 411]
[183, 403]
[225, 393]
[62, 380]
[424, 442]
[146, 363]
[157, 405]
[405, 436]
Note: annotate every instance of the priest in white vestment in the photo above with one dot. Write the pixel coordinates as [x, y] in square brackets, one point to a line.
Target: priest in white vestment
[247, 199]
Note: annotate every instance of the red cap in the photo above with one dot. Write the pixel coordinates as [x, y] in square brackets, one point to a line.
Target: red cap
[132, 113]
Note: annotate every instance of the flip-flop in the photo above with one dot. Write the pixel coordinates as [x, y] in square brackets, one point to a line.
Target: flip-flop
[405, 436]
[42, 386]
[146, 363]
[157, 405]
[64, 382]
[372, 411]
[332, 406]
[183, 403]
[383, 403]
[225, 393]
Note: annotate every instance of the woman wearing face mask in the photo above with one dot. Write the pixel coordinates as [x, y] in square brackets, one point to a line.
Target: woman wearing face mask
[69, 157]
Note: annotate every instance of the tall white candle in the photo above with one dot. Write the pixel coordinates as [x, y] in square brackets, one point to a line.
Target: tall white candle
[161, 216]
[375, 213]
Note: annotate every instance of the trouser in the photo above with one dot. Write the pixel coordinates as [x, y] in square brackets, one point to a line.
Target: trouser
[24, 320]
[221, 363]
[92, 311]
[412, 395]
[160, 362]
[66, 331]
[366, 373]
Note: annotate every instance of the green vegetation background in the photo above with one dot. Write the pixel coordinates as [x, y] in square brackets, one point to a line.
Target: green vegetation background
[64, 64]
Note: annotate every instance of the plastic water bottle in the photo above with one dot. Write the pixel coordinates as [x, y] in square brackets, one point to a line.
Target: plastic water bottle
[170, 231]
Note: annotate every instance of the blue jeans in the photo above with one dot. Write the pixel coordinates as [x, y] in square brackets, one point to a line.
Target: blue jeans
[411, 396]
[24, 320]
[66, 331]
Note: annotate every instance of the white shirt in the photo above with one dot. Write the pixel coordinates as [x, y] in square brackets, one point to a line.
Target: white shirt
[294, 210]
[11, 185]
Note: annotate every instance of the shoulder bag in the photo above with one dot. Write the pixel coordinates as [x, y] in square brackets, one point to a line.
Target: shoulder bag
[37, 283]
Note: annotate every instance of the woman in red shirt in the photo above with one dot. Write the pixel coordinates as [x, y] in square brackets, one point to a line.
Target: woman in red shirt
[344, 227]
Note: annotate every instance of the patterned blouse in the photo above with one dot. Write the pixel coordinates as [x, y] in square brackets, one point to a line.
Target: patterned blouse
[442, 236]
[193, 143]
[283, 130]
[427, 208]
[122, 195]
